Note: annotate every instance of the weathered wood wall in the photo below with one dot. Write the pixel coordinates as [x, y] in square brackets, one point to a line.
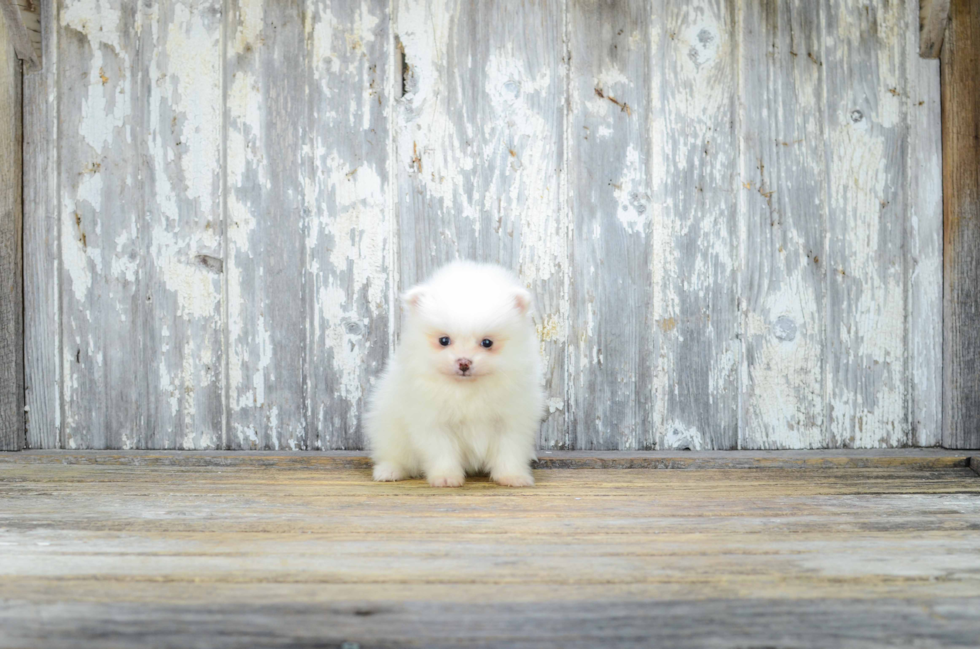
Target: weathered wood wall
[729, 211]
[11, 268]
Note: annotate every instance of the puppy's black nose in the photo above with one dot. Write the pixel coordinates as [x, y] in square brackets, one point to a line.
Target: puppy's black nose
[463, 364]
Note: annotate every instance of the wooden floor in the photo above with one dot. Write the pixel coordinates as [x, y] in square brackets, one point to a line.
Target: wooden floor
[260, 550]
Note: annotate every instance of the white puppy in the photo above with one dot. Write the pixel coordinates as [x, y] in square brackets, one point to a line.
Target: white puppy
[462, 393]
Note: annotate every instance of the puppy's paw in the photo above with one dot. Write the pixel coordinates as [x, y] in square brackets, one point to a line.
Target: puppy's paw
[515, 480]
[447, 480]
[388, 472]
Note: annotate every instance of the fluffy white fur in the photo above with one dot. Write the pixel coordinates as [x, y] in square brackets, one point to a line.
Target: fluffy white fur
[445, 411]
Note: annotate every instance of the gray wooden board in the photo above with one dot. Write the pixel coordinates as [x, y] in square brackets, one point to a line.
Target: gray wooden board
[42, 260]
[182, 239]
[925, 246]
[961, 256]
[866, 264]
[782, 197]
[728, 213]
[268, 131]
[348, 236]
[11, 251]
[103, 295]
[611, 197]
[696, 323]
[712, 624]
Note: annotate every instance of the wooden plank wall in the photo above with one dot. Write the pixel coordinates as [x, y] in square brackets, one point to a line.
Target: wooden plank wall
[11, 267]
[729, 212]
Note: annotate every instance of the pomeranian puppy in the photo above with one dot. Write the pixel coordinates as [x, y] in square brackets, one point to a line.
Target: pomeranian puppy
[463, 391]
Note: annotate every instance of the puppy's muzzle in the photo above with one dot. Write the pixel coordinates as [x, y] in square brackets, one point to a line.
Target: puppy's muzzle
[463, 366]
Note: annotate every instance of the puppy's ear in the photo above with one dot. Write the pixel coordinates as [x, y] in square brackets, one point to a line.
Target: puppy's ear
[522, 301]
[414, 298]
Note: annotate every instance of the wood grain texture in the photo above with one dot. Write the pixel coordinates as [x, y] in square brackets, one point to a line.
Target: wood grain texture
[614, 623]
[783, 219]
[265, 265]
[30, 16]
[933, 16]
[348, 238]
[479, 151]
[11, 249]
[17, 34]
[182, 239]
[612, 202]
[924, 239]
[696, 323]
[248, 555]
[867, 148]
[961, 212]
[42, 258]
[101, 199]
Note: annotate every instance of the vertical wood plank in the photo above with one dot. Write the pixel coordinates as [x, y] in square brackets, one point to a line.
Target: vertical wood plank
[696, 323]
[11, 251]
[925, 243]
[266, 223]
[783, 225]
[479, 154]
[100, 113]
[181, 223]
[611, 198]
[867, 140]
[961, 211]
[348, 237]
[42, 265]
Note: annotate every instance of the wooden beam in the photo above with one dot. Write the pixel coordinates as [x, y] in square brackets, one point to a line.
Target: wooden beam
[933, 15]
[11, 257]
[961, 223]
[23, 18]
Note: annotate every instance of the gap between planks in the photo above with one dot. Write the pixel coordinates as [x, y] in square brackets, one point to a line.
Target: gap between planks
[680, 460]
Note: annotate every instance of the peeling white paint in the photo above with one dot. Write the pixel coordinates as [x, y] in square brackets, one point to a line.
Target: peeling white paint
[681, 438]
[250, 23]
[632, 193]
[197, 97]
[488, 177]
[867, 406]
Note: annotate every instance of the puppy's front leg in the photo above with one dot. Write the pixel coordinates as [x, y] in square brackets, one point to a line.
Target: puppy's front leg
[510, 466]
[440, 458]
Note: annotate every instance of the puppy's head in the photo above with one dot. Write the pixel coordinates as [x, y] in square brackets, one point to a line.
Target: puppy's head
[468, 321]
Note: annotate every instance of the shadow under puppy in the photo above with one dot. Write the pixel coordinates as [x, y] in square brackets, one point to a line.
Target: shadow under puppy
[463, 391]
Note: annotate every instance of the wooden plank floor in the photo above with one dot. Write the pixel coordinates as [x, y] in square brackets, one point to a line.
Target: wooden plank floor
[249, 550]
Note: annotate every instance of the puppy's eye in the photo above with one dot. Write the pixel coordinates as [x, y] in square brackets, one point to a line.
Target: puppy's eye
[444, 341]
[487, 343]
